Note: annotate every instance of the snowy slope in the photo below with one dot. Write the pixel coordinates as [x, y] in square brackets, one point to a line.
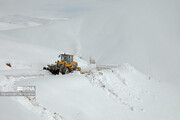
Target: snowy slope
[7, 26]
[142, 33]
[46, 36]
[14, 110]
[28, 21]
[130, 95]
[126, 33]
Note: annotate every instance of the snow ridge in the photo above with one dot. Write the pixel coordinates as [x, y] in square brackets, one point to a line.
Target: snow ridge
[117, 85]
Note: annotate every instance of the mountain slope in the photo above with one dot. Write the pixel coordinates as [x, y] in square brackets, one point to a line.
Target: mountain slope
[144, 34]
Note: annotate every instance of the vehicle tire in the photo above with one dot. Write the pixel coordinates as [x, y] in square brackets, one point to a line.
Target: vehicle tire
[66, 71]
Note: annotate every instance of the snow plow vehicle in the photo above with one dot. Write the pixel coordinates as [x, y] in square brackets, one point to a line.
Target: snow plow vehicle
[65, 66]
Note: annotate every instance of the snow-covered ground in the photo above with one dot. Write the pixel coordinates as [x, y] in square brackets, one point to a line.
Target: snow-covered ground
[116, 93]
[139, 38]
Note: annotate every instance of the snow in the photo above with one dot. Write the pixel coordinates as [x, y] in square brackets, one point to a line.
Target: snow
[7, 26]
[142, 33]
[134, 43]
[29, 21]
[10, 109]
[106, 94]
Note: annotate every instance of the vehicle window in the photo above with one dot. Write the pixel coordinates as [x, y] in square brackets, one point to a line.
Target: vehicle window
[70, 59]
[64, 58]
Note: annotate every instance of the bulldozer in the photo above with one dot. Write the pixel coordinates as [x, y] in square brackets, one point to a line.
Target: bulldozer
[65, 66]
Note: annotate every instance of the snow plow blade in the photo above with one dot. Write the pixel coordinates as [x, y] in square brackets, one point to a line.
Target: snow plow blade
[52, 68]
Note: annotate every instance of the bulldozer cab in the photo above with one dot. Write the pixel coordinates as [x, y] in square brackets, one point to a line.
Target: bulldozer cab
[67, 58]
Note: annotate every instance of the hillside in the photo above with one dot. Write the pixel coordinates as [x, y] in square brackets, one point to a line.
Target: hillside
[135, 45]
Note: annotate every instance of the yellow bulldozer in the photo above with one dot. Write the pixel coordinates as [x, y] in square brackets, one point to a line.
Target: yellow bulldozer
[65, 66]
